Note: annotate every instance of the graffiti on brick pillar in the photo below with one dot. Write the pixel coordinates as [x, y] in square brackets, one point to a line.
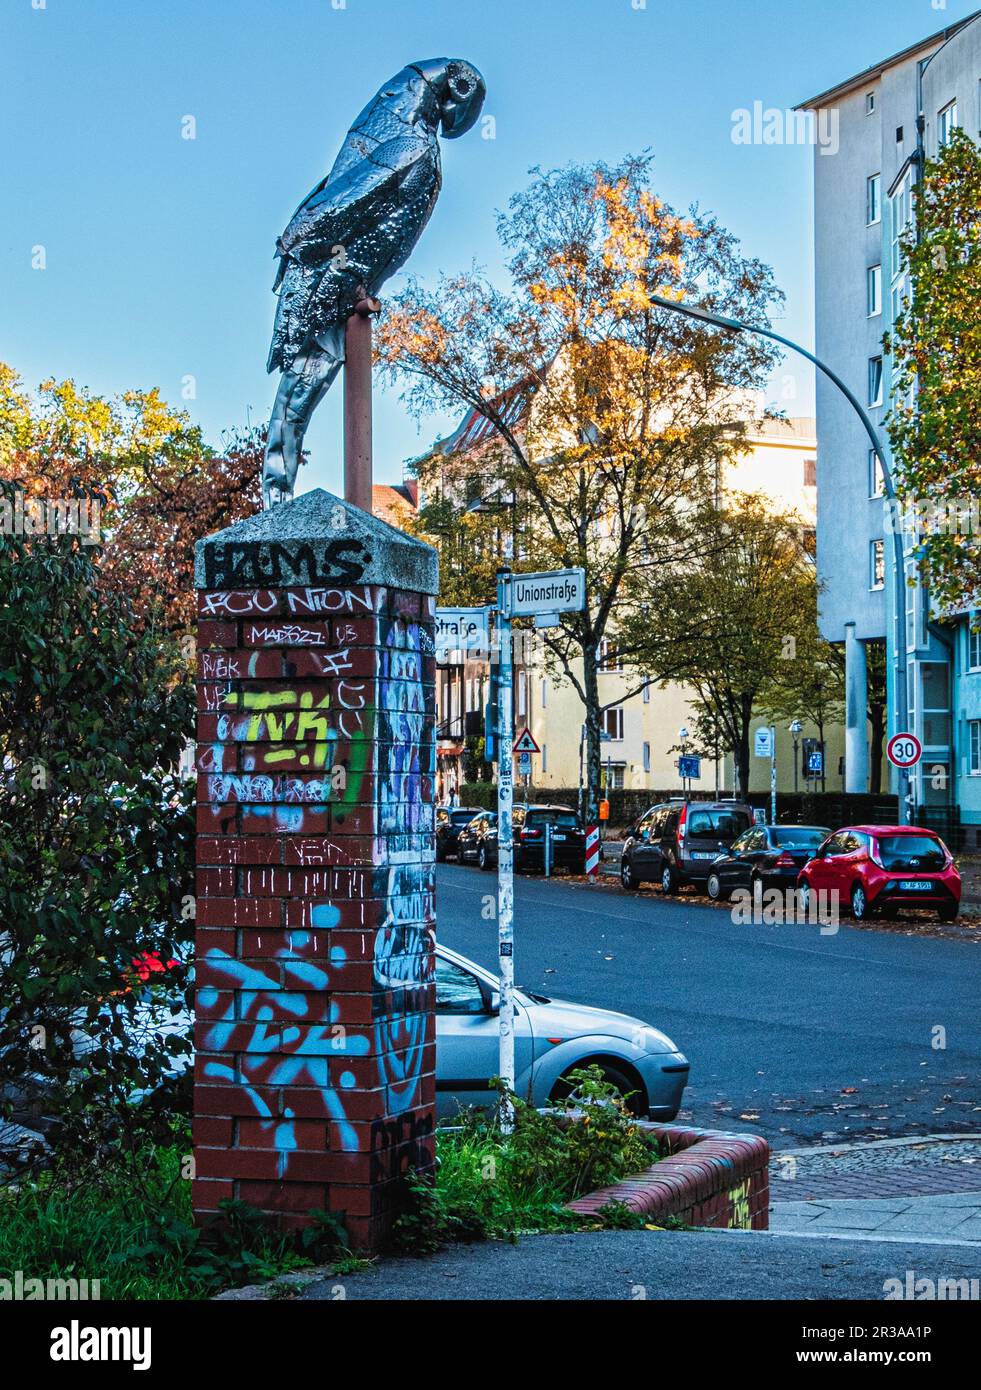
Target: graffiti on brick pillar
[276, 1037]
[400, 1144]
[239, 564]
[403, 958]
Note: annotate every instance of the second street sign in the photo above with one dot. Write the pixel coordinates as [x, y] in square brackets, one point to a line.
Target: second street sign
[555, 591]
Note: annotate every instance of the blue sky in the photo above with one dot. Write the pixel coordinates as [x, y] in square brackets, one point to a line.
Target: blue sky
[159, 249]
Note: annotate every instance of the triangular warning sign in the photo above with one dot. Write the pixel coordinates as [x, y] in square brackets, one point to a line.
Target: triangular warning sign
[524, 743]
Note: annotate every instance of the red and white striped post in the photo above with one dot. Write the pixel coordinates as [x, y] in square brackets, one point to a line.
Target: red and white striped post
[592, 849]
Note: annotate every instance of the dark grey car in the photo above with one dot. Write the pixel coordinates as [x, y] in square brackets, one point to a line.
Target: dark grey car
[677, 842]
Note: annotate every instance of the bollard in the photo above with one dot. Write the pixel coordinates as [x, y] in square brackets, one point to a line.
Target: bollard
[315, 1026]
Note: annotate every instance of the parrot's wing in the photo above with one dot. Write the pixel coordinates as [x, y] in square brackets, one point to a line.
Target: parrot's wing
[350, 232]
[339, 206]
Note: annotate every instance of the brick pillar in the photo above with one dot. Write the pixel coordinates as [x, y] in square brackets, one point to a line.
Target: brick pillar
[314, 1075]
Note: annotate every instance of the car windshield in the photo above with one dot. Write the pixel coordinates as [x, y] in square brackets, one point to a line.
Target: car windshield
[726, 823]
[565, 820]
[462, 817]
[898, 852]
[798, 837]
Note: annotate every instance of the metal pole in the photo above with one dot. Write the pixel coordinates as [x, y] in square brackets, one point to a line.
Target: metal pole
[548, 849]
[899, 563]
[505, 844]
[773, 774]
[357, 405]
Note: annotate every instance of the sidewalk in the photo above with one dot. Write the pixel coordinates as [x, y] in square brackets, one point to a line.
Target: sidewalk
[926, 1189]
[636, 1265]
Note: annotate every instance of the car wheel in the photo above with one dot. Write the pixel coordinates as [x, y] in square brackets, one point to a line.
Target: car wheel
[713, 887]
[948, 914]
[628, 878]
[630, 1087]
[482, 858]
[669, 884]
[804, 899]
[860, 904]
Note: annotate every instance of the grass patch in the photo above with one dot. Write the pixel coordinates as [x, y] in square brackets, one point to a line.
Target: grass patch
[138, 1239]
[492, 1185]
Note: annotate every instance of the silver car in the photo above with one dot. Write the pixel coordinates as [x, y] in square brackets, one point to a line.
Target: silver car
[551, 1038]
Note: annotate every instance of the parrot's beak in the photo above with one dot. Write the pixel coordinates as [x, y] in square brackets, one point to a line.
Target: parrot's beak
[458, 114]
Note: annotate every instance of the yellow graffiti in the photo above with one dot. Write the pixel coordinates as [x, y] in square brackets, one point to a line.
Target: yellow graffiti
[740, 1218]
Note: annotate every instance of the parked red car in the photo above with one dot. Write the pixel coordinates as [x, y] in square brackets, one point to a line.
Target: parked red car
[877, 869]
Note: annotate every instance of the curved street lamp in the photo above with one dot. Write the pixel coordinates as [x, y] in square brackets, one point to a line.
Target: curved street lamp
[899, 601]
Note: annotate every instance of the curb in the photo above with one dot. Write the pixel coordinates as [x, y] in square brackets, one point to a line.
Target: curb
[710, 1178]
[912, 1141]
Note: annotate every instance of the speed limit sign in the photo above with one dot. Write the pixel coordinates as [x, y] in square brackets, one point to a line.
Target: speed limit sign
[904, 750]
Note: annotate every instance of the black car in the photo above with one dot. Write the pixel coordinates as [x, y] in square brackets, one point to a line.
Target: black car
[770, 855]
[472, 840]
[450, 820]
[567, 840]
[679, 841]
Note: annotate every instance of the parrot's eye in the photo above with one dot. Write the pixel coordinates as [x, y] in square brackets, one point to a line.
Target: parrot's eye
[462, 87]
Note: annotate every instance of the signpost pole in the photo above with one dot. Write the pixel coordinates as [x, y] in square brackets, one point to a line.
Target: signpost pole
[773, 774]
[505, 845]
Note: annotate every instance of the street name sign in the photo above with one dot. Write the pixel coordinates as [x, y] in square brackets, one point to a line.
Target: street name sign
[461, 631]
[554, 591]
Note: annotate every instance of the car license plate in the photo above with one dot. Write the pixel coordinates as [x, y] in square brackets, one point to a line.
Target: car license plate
[558, 837]
[703, 854]
[915, 885]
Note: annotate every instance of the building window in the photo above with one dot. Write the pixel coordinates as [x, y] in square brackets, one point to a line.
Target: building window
[647, 757]
[900, 135]
[612, 727]
[902, 215]
[810, 473]
[544, 694]
[974, 643]
[522, 695]
[613, 777]
[873, 201]
[609, 656]
[974, 728]
[877, 479]
[874, 286]
[544, 757]
[869, 103]
[946, 121]
[875, 381]
[877, 564]
[646, 694]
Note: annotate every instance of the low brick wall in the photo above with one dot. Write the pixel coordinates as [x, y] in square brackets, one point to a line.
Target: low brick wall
[709, 1179]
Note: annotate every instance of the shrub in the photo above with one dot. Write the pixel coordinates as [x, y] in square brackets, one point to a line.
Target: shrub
[96, 843]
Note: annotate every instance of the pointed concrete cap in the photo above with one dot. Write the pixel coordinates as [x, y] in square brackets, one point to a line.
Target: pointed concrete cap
[316, 538]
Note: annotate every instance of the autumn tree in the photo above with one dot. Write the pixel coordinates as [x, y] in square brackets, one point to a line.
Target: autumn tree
[161, 486]
[737, 624]
[935, 423]
[608, 419]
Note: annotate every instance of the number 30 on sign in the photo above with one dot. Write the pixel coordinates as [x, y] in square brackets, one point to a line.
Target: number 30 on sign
[904, 750]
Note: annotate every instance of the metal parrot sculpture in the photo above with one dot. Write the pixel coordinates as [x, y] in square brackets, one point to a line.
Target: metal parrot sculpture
[354, 230]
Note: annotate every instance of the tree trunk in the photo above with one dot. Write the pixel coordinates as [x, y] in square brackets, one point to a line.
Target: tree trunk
[590, 685]
[877, 722]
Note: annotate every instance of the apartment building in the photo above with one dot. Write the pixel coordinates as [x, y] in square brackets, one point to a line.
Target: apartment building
[890, 117]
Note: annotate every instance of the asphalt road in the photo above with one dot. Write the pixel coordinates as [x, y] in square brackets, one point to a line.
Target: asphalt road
[778, 1022]
[629, 1265]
